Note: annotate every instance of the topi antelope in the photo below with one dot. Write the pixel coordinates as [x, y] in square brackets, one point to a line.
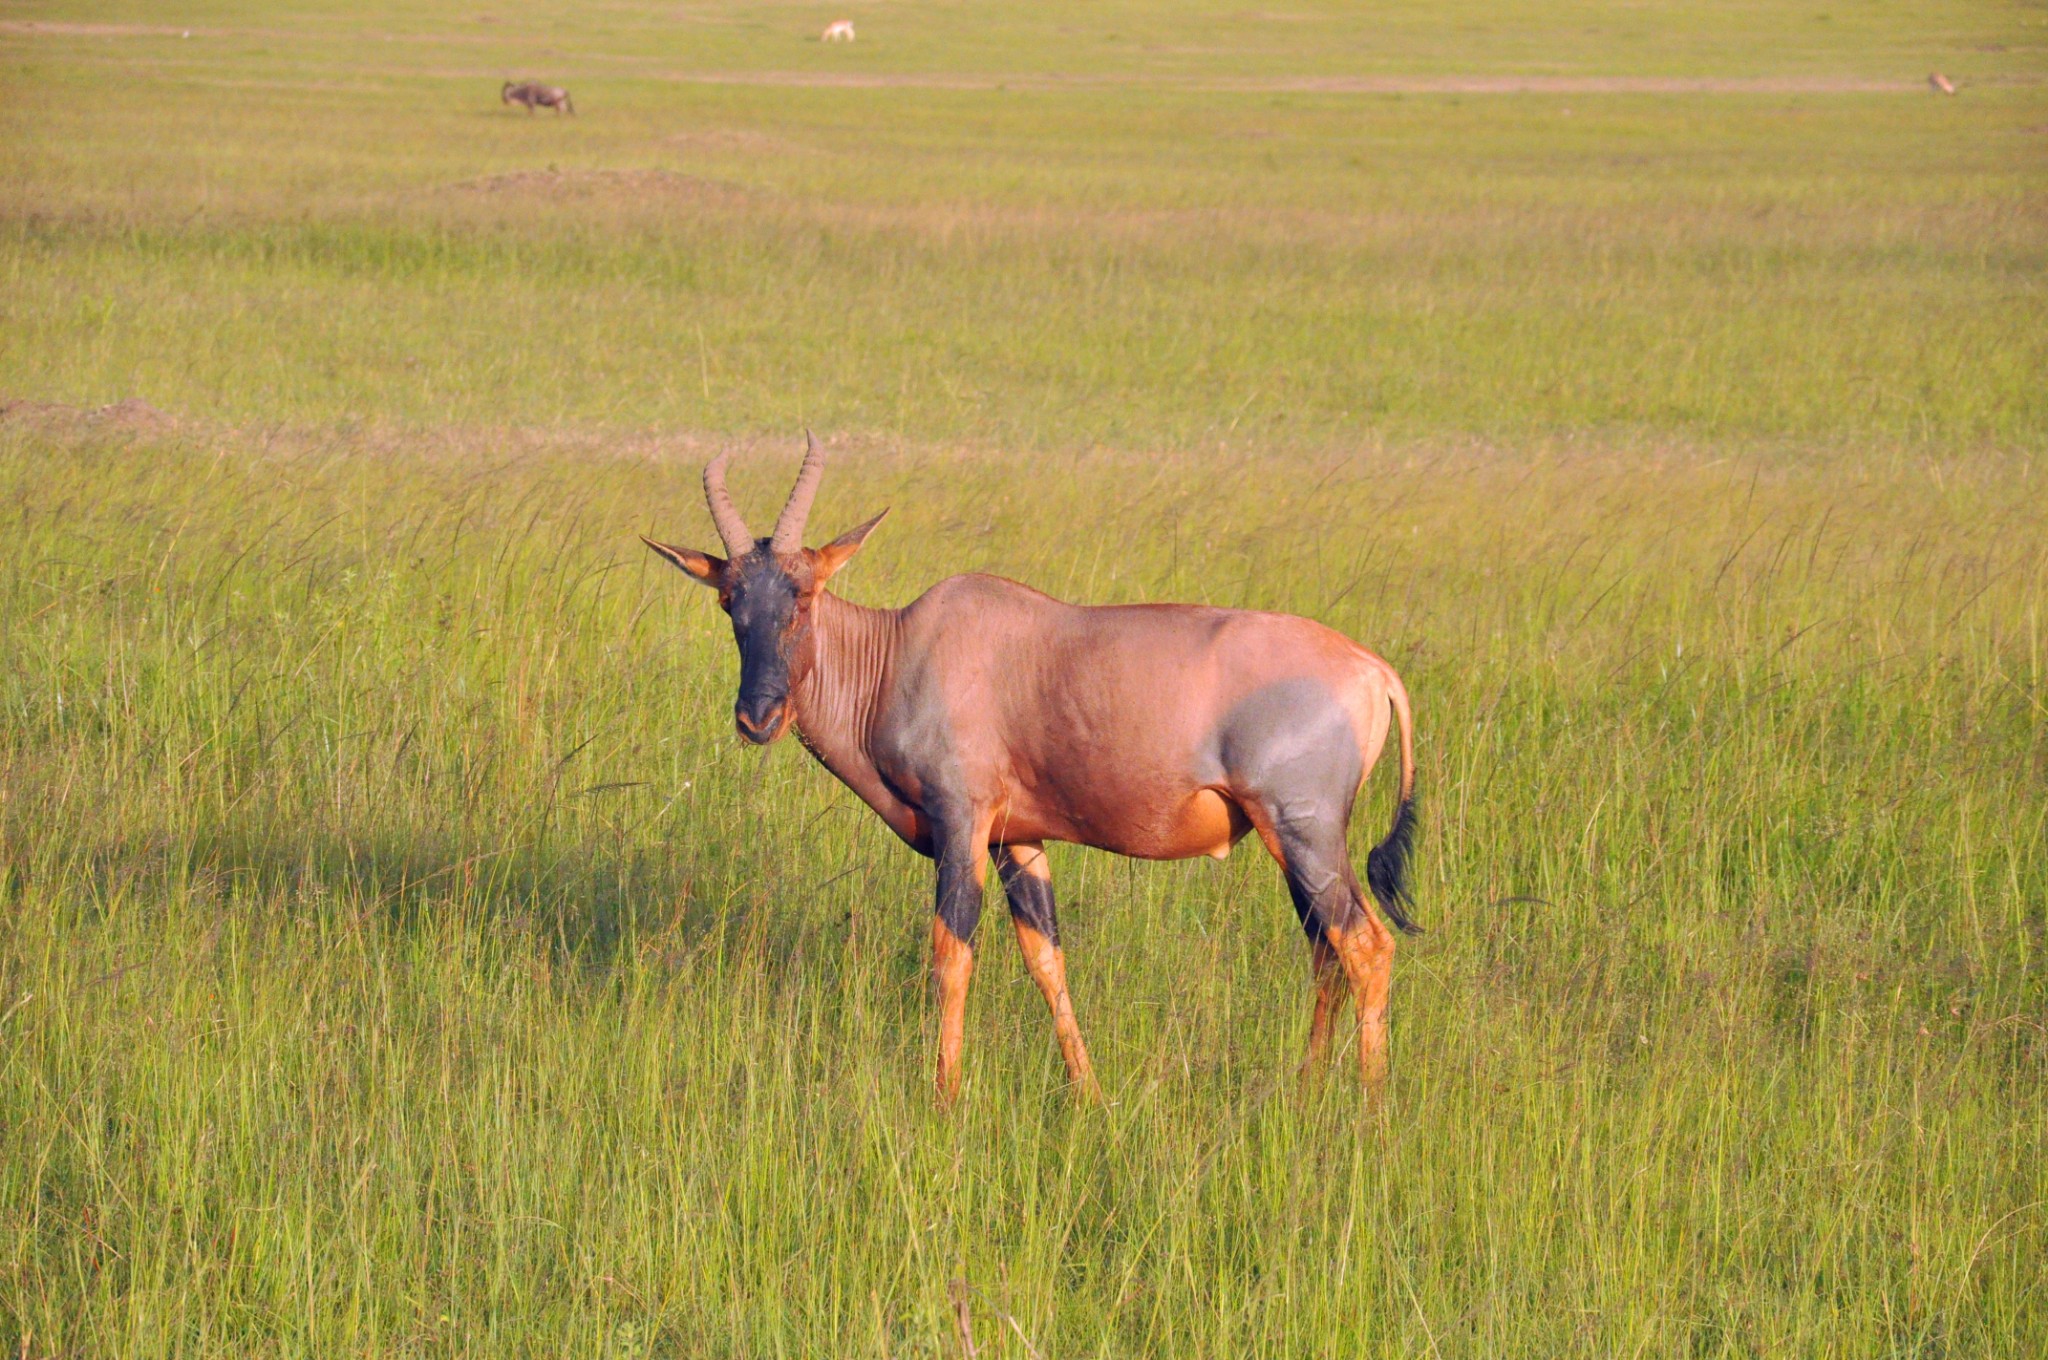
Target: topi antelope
[839, 30]
[984, 719]
[536, 97]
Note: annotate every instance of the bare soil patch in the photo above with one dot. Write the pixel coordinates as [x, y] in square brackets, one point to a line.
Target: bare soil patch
[64, 30]
[1381, 84]
[130, 415]
[1574, 85]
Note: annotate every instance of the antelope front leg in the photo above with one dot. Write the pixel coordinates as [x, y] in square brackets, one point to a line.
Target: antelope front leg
[961, 876]
[1027, 879]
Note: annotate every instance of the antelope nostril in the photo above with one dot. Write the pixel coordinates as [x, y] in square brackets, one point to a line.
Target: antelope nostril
[757, 721]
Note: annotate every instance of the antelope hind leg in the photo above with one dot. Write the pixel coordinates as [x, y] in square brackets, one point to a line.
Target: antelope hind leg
[1348, 941]
[1327, 974]
[1365, 947]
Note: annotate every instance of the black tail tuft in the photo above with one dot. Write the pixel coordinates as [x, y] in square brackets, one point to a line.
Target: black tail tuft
[1386, 868]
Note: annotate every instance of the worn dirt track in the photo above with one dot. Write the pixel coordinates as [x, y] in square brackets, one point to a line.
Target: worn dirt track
[1382, 84]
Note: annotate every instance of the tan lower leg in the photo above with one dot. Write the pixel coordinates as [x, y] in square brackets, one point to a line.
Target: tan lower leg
[1328, 975]
[1366, 949]
[952, 966]
[1047, 964]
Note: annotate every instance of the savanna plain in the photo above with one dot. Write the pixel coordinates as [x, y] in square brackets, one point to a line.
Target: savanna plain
[400, 955]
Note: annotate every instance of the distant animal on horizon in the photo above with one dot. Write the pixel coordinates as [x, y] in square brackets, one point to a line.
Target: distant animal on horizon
[1941, 83]
[984, 719]
[537, 96]
[839, 30]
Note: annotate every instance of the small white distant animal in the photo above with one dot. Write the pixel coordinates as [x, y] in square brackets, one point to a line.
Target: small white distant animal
[1941, 83]
[839, 30]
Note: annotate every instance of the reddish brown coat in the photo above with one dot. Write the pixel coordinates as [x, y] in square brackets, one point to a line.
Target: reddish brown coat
[985, 719]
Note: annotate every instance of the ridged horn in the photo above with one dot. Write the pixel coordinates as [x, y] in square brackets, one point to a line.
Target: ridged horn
[732, 530]
[789, 527]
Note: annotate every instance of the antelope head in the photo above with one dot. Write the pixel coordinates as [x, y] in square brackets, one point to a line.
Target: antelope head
[769, 587]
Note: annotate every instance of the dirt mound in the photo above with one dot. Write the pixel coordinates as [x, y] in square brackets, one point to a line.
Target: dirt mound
[133, 413]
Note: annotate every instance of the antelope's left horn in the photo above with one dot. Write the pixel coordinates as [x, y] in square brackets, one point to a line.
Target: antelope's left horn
[732, 530]
[789, 527]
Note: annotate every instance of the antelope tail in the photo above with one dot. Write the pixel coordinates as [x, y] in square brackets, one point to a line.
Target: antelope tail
[1386, 868]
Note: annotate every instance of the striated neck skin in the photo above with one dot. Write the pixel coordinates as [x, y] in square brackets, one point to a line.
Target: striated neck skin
[836, 702]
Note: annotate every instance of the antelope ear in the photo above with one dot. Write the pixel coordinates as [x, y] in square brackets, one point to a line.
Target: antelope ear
[706, 568]
[840, 551]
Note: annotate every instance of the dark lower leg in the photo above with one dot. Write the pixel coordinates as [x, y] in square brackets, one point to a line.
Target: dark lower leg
[961, 874]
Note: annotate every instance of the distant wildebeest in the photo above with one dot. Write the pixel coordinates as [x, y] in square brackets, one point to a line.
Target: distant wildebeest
[1940, 83]
[537, 96]
[984, 719]
[839, 30]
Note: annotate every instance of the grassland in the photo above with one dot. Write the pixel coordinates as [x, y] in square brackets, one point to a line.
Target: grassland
[399, 956]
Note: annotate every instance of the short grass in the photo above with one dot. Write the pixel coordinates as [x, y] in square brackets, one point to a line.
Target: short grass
[399, 956]
[316, 229]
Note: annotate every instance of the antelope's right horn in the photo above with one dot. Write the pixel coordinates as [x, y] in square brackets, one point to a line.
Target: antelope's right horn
[789, 526]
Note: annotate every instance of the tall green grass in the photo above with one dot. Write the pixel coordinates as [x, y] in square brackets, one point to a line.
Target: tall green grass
[401, 955]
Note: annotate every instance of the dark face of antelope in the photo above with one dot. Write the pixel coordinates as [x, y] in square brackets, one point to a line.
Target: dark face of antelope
[770, 611]
[768, 587]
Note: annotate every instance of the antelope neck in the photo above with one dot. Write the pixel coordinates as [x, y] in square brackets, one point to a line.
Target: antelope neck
[837, 700]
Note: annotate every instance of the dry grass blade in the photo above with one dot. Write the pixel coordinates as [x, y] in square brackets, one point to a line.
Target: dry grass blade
[963, 1317]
